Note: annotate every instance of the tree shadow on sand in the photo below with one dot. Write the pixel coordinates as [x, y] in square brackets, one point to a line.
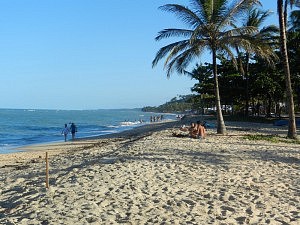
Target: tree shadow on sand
[270, 155]
[81, 160]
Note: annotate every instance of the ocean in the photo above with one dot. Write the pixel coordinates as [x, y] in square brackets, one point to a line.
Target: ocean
[22, 127]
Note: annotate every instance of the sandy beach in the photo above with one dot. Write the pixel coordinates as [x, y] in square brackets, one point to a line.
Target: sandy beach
[147, 176]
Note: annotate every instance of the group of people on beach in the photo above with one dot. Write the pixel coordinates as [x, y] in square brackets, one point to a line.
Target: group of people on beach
[156, 118]
[195, 130]
[66, 130]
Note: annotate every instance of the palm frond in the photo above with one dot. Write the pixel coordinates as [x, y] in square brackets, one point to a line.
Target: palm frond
[263, 16]
[269, 30]
[236, 32]
[183, 13]
[167, 33]
[167, 49]
[213, 10]
[219, 8]
[234, 10]
[266, 53]
[256, 17]
[178, 49]
[199, 9]
[182, 60]
[295, 20]
[262, 49]
[200, 33]
[227, 50]
[213, 34]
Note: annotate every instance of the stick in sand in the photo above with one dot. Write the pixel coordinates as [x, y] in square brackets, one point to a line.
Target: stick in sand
[47, 171]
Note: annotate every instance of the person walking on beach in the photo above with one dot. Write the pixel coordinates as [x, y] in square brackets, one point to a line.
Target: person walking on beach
[73, 130]
[65, 131]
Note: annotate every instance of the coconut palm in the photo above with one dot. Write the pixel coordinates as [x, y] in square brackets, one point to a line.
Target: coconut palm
[265, 37]
[295, 20]
[208, 29]
[293, 45]
[282, 15]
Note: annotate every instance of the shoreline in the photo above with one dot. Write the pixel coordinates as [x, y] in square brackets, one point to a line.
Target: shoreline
[22, 154]
[16, 149]
[147, 176]
[21, 132]
[140, 131]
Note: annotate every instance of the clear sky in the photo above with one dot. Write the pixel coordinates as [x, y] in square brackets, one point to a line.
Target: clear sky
[87, 54]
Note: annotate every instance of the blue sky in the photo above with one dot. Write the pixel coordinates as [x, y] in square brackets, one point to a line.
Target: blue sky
[86, 54]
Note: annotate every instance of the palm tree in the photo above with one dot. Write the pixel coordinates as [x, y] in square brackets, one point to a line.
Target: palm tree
[293, 45]
[265, 36]
[295, 20]
[282, 15]
[208, 28]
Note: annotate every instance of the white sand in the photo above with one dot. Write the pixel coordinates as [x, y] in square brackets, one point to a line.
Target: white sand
[156, 179]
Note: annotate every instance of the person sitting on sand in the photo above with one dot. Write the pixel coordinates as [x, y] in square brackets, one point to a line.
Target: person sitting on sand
[181, 133]
[192, 131]
[201, 132]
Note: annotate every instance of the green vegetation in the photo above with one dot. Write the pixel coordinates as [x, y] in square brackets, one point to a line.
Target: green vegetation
[208, 27]
[175, 105]
[259, 137]
[254, 119]
[245, 76]
[271, 138]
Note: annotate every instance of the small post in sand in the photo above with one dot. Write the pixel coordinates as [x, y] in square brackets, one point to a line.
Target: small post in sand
[47, 171]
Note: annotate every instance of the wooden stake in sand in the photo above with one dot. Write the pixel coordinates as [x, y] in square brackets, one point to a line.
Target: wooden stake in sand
[47, 171]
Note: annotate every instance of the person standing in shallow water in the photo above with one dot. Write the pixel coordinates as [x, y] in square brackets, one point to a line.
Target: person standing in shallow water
[73, 130]
[65, 131]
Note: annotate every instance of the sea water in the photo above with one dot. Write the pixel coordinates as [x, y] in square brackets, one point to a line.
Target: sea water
[21, 127]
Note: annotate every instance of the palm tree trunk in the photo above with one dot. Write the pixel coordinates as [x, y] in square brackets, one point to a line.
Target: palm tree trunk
[292, 133]
[247, 83]
[221, 129]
